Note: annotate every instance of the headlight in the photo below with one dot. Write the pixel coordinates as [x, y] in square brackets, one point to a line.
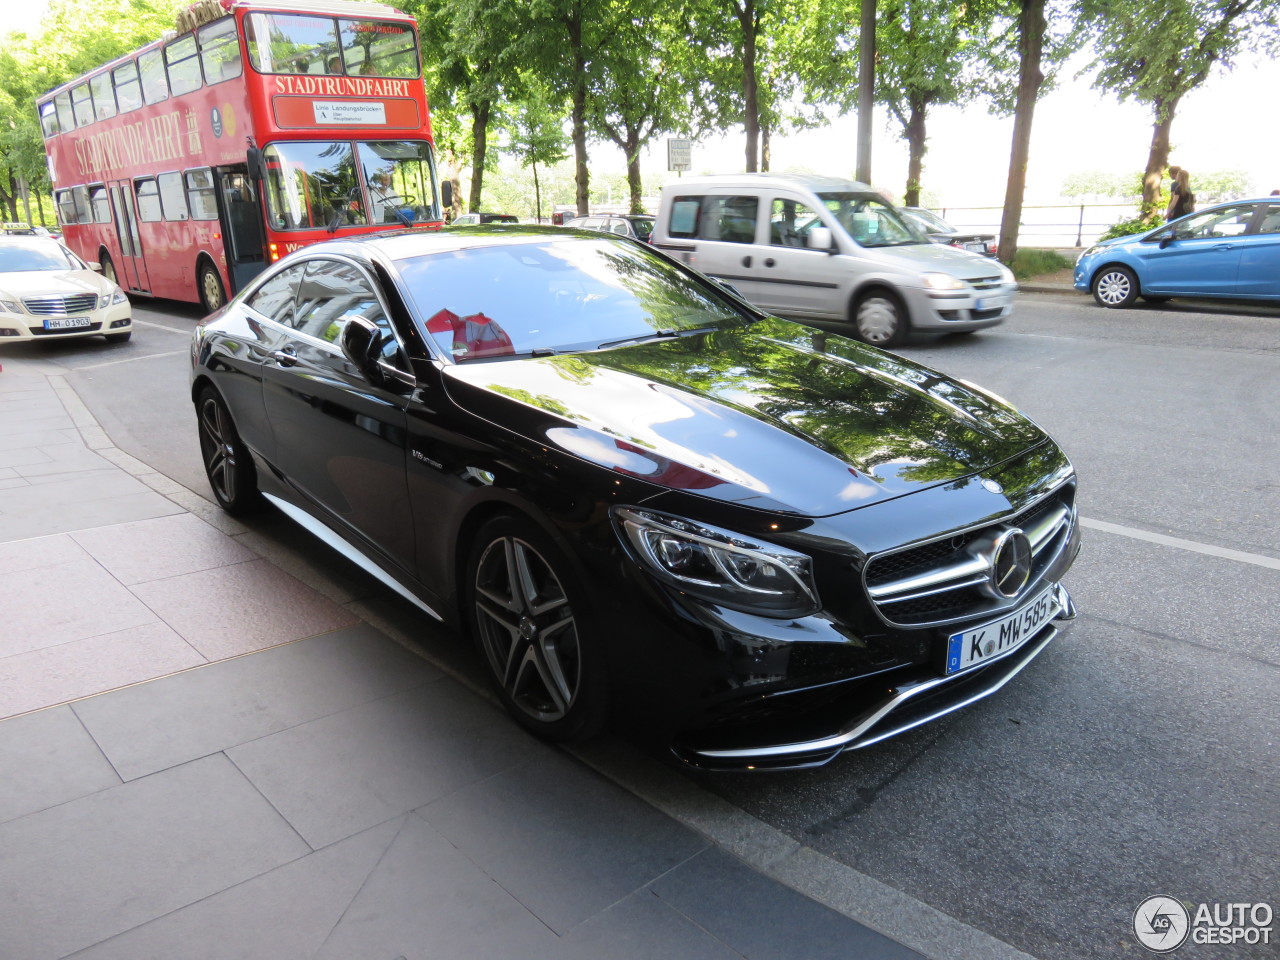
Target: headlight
[941, 281]
[720, 566]
[1090, 252]
[111, 299]
[10, 306]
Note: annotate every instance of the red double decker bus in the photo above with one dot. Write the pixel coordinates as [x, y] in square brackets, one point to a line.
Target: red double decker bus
[187, 166]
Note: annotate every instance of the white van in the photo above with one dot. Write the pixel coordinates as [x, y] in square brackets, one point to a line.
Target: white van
[820, 247]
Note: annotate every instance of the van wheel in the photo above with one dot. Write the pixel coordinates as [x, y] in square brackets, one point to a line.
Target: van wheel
[212, 295]
[879, 319]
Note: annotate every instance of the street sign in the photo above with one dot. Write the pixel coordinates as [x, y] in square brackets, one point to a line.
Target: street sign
[679, 154]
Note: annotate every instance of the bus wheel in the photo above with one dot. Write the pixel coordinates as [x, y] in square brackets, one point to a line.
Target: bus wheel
[108, 268]
[212, 296]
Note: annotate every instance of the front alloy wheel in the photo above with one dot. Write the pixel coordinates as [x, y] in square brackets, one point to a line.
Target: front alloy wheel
[1115, 287]
[526, 624]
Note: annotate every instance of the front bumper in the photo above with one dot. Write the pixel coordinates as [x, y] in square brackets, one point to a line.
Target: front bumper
[16, 327]
[961, 309]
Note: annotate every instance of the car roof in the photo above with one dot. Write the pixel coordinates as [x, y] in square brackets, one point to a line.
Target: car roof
[810, 181]
[403, 244]
[34, 239]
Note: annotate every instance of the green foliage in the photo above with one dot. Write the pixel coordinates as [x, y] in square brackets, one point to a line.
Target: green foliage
[1032, 262]
[1097, 185]
[1131, 225]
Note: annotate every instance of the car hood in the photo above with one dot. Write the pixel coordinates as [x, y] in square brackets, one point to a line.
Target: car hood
[57, 283]
[918, 257]
[776, 415]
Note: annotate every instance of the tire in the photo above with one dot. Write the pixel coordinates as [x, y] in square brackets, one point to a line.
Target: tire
[532, 625]
[108, 268]
[118, 337]
[212, 294]
[1115, 286]
[879, 319]
[227, 462]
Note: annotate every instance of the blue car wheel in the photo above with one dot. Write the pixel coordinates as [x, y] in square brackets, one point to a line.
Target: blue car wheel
[1115, 286]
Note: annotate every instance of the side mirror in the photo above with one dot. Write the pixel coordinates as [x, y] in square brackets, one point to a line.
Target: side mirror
[1167, 239]
[820, 238]
[256, 163]
[359, 342]
[729, 287]
[446, 193]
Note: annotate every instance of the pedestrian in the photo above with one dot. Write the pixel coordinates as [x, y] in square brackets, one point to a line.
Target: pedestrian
[1181, 200]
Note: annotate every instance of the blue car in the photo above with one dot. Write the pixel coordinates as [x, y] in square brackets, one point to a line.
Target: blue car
[1231, 250]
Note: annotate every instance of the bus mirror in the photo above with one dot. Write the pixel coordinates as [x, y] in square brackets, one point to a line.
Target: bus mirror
[446, 194]
[257, 166]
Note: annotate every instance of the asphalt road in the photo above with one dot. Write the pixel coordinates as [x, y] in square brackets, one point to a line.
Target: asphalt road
[1138, 755]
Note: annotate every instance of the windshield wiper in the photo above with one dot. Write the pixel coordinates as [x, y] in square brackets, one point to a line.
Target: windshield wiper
[668, 334]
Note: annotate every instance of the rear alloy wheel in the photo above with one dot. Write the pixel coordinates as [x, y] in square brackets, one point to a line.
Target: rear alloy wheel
[212, 296]
[227, 463]
[878, 319]
[532, 628]
[1115, 286]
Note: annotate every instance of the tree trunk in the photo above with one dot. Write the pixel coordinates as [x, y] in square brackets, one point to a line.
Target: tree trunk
[765, 136]
[479, 139]
[537, 193]
[581, 175]
[633, 171]
[750, 91]
[1031, 27]
[916, 147]
[1158, 157]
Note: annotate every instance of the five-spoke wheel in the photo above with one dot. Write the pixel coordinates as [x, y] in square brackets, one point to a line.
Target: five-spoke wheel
[227, 463]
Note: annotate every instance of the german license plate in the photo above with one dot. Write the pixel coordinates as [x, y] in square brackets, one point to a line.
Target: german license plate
[66, 323]
[976, 247]
[989, 303]
[992, 640]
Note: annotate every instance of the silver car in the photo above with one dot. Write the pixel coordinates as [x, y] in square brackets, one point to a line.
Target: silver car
[819, 247]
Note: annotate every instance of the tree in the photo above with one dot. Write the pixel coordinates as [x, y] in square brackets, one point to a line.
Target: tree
[1158, 55]
[536, 133]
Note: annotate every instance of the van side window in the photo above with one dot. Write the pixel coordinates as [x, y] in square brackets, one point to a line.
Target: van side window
[790, 222]
[727, 219]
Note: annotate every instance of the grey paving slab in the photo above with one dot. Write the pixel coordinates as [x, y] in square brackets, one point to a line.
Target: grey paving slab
[78, 873]
[48, 758]
[179, 718]
[18, 556]
[765, 920]
[643, 927]
[76, 505]
[32, 454]
[160, 548]
[51, 417]
[565, 842]
[63, 458]
[284, 914]
[73, 600]
[82, 668]
[427, 901]
[343, 773]
[227, 611]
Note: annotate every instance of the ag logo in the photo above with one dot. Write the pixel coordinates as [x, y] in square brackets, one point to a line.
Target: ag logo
[1161, 924]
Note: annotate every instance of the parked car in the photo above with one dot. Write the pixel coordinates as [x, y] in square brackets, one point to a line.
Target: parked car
[1231, 250]
[940, 231]
[637, 226]
[824, 248]
[474, 219]
[764, 543]
[47, 292]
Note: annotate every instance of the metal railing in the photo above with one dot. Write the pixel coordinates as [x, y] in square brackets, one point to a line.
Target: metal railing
[1045, 226]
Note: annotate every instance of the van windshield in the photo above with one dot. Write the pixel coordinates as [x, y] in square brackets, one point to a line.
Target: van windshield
[872, 222]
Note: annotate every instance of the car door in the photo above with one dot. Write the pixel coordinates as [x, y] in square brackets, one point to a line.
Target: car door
[339, 439]
[1199, 255]
[796, 279]
[724, 234]
[1260, 255]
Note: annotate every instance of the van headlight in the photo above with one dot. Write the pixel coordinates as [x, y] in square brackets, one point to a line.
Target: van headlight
[721, 567]
[941, 281]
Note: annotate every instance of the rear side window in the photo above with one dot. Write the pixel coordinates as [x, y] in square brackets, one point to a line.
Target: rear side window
[276, 298]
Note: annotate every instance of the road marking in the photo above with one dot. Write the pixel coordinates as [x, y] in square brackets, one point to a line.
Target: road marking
[1257, 559]
[149, 356]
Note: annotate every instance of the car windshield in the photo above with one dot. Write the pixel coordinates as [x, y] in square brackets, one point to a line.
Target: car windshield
[643, 226]
[871, 221]
[17, 257]
[558, 295]
[931, 221]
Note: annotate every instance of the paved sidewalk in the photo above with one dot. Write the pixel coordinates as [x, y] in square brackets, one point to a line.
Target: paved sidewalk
[214, 748]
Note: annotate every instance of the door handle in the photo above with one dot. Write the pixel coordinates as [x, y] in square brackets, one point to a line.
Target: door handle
[746, 261]
[769, 261]
[287, 357]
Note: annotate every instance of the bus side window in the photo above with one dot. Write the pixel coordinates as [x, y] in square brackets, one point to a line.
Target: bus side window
[66, 119]
[173, 201]
[148, 200]
[220, 51]
[98, 203]
[128, 89]
[104, 98]
[80, 197]
[183, 67]
[49, 119]
[82, 105]
[66, 207]
[200, 196]
[155, 87]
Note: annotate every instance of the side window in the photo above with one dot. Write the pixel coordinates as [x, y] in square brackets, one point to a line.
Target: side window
[66, 118]
[790, 222]
[276, 297]
[684, 216]
[155, 87]
[173, 200]
[148, 200]
[200, 196]
[220, 51]
[619, 227]
[104, 98]
[128, 88]
[66, 207]
[182, 65]
[729, 219]
[1224, 222]
[1270, 219]
[49, 118]
[80, 196]
[331, 294]
[82, 105]
[99, 204]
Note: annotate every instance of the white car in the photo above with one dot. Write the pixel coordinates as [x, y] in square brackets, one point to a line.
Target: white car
[46, 291]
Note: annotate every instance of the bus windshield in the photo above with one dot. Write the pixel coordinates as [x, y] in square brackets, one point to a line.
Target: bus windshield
[292, 43]
[310, 183]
